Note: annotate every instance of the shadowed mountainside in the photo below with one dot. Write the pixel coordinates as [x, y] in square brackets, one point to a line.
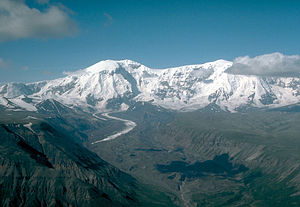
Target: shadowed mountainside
[42, 165]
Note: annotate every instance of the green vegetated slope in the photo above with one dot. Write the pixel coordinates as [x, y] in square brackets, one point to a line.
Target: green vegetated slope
[213, 159]
[43, 163]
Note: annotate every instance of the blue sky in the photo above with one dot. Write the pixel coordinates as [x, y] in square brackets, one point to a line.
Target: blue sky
[69, 35]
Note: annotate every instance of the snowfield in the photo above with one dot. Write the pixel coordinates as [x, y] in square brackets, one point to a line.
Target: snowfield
[110, 85]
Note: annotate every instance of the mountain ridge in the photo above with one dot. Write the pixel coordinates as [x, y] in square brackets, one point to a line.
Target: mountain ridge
[113, 85]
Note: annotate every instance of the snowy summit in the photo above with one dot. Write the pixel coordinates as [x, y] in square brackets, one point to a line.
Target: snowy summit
[114, 85]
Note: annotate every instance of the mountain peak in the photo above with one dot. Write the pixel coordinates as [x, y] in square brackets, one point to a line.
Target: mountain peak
[222, 61]
[103, 65]
[112, 65]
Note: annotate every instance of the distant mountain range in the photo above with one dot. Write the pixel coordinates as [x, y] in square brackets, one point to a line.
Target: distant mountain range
[114, 85]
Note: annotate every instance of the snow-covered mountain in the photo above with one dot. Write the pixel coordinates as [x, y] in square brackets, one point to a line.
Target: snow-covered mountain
[114, 85]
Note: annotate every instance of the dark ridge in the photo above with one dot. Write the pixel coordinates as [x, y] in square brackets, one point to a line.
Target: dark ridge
[34, 154]
[130, 79]
[104, 195]
[129, 198]
[116, 187]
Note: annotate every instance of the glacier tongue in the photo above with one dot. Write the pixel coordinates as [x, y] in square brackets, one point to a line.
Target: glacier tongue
[110, 85]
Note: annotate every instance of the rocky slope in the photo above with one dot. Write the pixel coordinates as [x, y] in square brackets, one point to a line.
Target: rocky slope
[43, 163]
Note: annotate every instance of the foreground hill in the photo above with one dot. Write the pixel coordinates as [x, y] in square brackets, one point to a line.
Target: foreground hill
[43, 163]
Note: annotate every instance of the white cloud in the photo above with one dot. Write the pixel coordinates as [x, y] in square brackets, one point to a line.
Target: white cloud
[275, 64]
[18, 21]
[109, 19]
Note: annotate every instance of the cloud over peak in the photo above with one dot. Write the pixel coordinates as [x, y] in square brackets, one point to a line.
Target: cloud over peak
[18, 21]
[274, 64]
